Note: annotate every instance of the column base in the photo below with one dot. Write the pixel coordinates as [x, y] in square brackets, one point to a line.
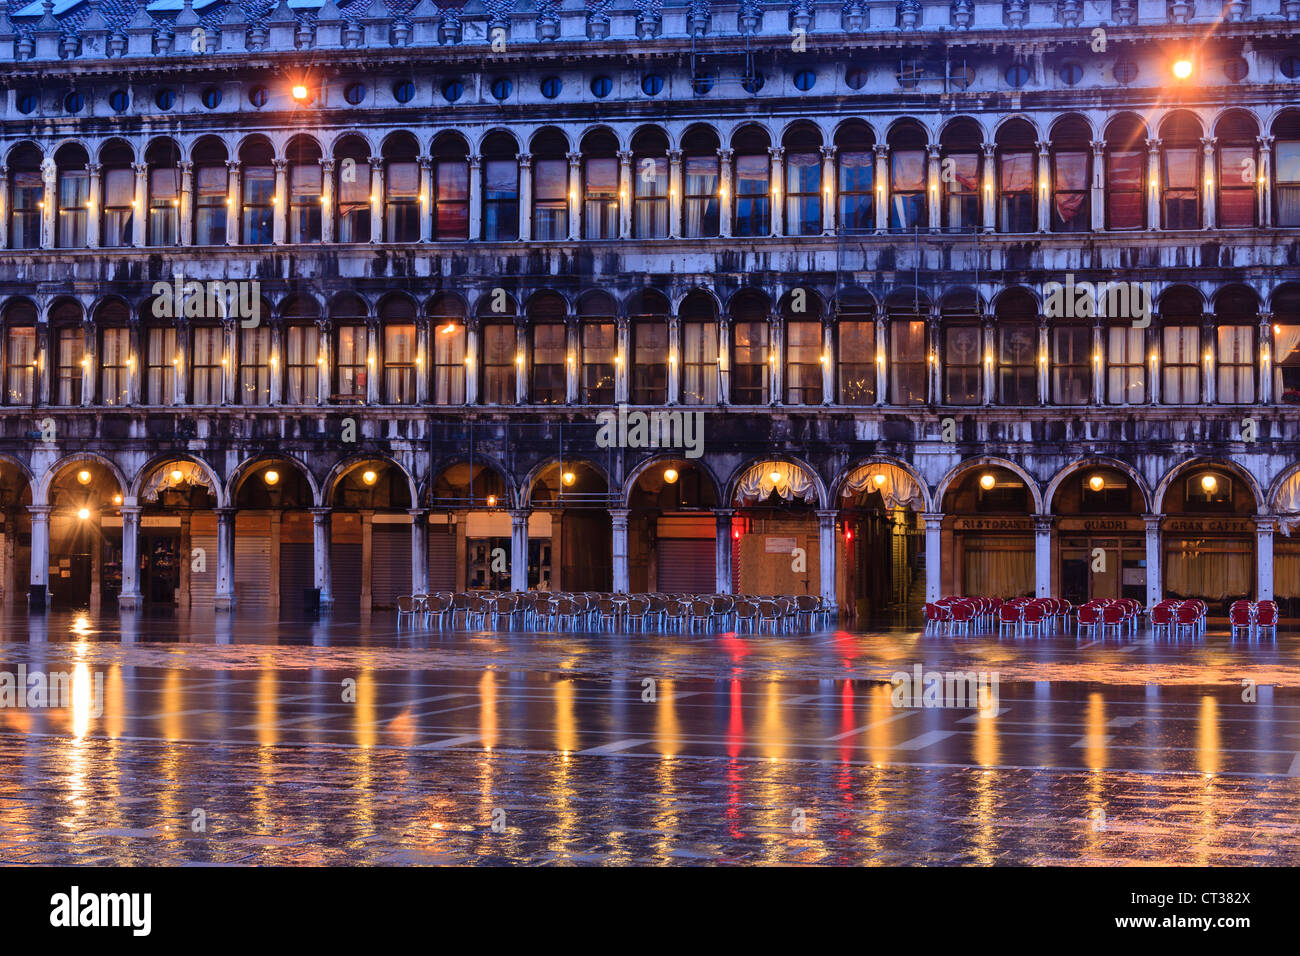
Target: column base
[130, 602]
[224, 602]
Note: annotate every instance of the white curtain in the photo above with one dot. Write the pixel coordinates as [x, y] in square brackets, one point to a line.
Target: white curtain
[1211, 575]
[163, 478]
[898, 488]
[789, 481]
[1288, 505]
[997, 572]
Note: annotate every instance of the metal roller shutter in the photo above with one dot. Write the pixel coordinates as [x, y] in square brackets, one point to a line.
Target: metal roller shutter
[442, 558]
[345, 578]
[297, 573]
[203, 584]
[252, 570]
[390, 565]
[686, 565]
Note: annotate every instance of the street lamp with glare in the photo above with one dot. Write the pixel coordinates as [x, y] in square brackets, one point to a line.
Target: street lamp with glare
[299, 92]
[1182, 69]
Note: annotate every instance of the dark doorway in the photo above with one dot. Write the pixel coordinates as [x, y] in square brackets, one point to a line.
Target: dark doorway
[161, 573]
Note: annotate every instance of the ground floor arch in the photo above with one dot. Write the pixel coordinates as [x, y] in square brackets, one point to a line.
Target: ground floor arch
[881, 540]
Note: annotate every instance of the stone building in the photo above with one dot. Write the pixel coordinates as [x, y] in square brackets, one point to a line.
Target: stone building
[887, 299]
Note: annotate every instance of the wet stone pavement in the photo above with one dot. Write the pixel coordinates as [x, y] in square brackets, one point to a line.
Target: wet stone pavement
[213, 740]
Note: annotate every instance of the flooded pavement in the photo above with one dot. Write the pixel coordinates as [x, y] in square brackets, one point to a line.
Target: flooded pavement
[224, 740]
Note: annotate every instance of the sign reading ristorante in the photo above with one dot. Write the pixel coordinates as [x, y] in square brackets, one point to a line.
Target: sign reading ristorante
[993, 524]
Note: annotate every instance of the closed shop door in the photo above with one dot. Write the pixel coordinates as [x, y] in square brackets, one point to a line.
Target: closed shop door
[687, 565]
[252, 563]
[442, 558]
[345, 578]
[203, 571]
[297, 573]
[390, 574]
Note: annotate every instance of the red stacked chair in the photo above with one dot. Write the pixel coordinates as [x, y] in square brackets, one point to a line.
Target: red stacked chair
[1266, 617]
[1162, 617]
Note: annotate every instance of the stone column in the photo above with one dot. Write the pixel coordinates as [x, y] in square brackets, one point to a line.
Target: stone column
[130, 598]
[986, 362]
[1209, 182]
[1044, 362]
[1265, 180]
[625, 194]
[419, 551]
[826, 556]
[327, 211]
[882, 353]
[186, 220]
[234, 203]
[572, 355]
[376, 198]
[1155, 560]
[426, 198]
[1098, 359]
[40, 551]
[280, 202]
[674, 193]
[1264, 527]
[89, 362]
[1098, 198]
[618, 518]
[724, 192]
[140, 219]
[674, 360]
[525, 197]
[475, 198]
[988, 187]
[933, 555]
[519, 550]
[881, 186]
[50, 203]
[722, 552]
[324, 368]
[828, 365]
[321, 528]
[1043, 201]
[225, 597]
[1043, 555]
[521, 361]
[94, 172]
[775, 354]
[828, 190]
[4, 207]
[934, 188]
[724, 360]
[1153, 185]
[471, 362]
[1266, 359]
[372, 363]
[575, 196]
[623, 345]
[776, 189]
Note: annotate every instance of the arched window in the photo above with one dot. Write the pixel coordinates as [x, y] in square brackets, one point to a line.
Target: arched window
[401, 189]
[352, 164]
[599, 340]
[1015, 329]
[1071, 176]
[1286, 168]
[1126, 160]
[803, 182]
[750, 349]
[304, 190]
[549, 346]
[162, 357]
[397, 320]
[962, 357]
[500, 352]
[960, 178]
[700, 209]
[1016, 161]
[908, 210]
[1286, 344]
[1236, 317]
[302, 353]
[447, 322]
[599, 185]
[650, 184]
[206, 352]
[163, 158]
[1238, 178]
[112, 323]
[855, 348]
[19, 357]
[854, 155]
[648, 367]
[1180, 347]
[73, 195]
[348, 315]
[211, 183]
[1180, 174]
[450, 188]
[803, 349]
[500, 190]
[26, 193]
[1071, 355]
[69, 352]
[255, 361]
[259, 192]
[905, 315]
[117, 195]
[550, 185]
[699, 323]
[753, 183]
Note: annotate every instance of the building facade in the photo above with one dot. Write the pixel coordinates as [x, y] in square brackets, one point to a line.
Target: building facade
[878, 301]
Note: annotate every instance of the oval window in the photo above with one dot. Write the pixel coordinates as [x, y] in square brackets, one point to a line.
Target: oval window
[212, 97]
[551, 87]
[1071, 74]
[855, 78]
[73, 103]
[119, 101]
[805, 80]
[1125, 71]
[602, 86]
[652, 84]
[1017, 75]
[501, 88]
[453, 90]
[258, 96]
[355, 93]
[702, 83]
[1290, 67]
[165, 99]
[404, 91]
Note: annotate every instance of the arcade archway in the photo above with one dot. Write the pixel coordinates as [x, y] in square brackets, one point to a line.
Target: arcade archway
[989, 530]
[672, 531]
[776, 546]
[882, 540]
